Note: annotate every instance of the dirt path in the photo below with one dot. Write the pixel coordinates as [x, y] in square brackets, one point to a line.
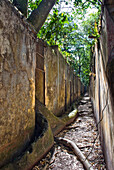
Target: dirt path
[84, 133]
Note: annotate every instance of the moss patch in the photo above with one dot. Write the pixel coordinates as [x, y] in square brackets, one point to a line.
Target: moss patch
[56, 124]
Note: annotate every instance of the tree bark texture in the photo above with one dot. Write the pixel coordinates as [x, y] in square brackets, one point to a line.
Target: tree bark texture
[77, 152]
[39, 15]
[22, 6]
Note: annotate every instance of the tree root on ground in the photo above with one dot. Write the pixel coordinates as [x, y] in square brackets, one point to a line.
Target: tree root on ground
[71, 127]
[76, 150]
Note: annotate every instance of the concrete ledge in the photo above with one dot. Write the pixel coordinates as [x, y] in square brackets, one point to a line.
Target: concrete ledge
[35, 152]
[43, 144]
[56, 123]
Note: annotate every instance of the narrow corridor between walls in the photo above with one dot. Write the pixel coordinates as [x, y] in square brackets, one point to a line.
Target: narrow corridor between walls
[84, 133]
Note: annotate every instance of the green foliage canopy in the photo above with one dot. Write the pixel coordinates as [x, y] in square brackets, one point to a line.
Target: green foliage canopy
[70, 32]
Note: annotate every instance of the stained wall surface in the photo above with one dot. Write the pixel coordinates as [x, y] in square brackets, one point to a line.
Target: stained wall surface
[62, 86]
[102, 86]
[17, 82]
[40, 73]
[28, 69]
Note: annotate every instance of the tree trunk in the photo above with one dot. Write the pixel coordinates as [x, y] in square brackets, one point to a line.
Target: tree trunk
[39, 15]
[22, 6]
[79, 66]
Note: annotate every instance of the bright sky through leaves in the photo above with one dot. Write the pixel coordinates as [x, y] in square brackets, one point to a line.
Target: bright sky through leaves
[69, 26]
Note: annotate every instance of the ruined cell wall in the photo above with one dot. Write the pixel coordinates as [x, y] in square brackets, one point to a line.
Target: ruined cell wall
[17, 82]
[29, 70]
[62, 86]
[57, 86]
[102, 85]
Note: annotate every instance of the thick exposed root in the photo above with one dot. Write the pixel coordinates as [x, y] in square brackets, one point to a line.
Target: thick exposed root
[77, 152]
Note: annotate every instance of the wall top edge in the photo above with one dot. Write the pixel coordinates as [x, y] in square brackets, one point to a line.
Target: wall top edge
[23, 19]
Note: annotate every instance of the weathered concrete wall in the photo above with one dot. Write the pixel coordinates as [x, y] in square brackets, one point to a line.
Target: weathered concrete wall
[17, 82]
[40, 73]
[56, 84]
[102, 86]
[60, 91]
[54, 81]
[29, 69]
